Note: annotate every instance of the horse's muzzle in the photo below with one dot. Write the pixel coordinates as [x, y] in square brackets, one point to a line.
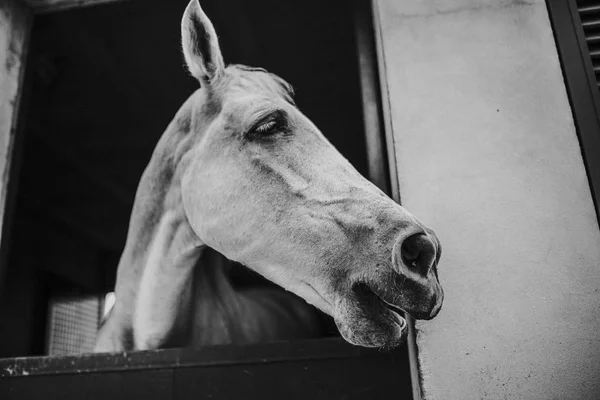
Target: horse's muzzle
[416, 288]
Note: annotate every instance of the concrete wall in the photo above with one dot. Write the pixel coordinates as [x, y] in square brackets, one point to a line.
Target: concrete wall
[488, 156]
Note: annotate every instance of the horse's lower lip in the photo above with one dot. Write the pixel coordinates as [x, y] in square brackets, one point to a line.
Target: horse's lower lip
[393, 308]
[397, 310]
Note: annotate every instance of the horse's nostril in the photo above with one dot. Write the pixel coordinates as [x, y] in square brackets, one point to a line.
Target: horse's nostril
[418, 253]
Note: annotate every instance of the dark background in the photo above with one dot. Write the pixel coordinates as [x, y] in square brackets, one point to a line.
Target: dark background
[104, 82]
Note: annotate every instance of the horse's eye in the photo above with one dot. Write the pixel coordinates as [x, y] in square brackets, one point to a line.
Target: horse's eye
[267, 128]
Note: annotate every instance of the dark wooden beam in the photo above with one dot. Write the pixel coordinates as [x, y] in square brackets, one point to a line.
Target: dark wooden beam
[46, 6]
[371, 95]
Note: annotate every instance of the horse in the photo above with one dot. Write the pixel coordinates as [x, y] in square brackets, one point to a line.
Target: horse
[242, 171]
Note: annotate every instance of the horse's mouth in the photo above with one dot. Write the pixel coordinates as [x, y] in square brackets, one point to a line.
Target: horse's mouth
[370, 296]
[365, 318]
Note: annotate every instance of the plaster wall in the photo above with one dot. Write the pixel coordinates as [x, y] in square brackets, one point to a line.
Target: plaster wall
[488, 156]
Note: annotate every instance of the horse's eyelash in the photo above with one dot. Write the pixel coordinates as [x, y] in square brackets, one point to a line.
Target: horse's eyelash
[263, 125]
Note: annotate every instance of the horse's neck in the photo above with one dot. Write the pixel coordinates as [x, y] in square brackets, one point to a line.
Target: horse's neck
[212, 285]
[218, 309]
[158, 194]
[157, 207]
[224, 314]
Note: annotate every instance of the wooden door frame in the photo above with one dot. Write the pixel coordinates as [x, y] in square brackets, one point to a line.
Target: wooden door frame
[18, 18]
[580, 83]
[381, 141]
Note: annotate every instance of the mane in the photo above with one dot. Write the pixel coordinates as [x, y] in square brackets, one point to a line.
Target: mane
[252, 77]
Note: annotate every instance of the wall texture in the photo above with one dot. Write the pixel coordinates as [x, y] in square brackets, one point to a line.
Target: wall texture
[488, 156]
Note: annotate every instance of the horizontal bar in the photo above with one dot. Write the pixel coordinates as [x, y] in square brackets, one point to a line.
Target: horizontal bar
[46, 6]
[591, 24]
[210, 356]
[589, 9]
[592, 39]
[595, 23]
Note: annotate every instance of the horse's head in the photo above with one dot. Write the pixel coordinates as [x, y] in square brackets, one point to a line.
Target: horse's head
[264, 187]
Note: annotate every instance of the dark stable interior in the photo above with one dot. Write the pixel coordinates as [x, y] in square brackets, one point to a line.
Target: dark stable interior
[102, 84]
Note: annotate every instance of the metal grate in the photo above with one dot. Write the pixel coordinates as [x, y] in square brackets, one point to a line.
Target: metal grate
[589, 12]
[73, 322]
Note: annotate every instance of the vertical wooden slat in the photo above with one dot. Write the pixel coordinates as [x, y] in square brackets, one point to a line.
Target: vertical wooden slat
[385, 104]
[371, 95]
[15, 27]
[411, 344]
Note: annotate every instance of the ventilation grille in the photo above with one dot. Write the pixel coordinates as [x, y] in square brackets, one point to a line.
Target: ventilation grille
[73, 322]
[589, 12]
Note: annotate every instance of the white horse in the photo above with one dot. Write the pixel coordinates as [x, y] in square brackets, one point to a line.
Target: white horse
[241, 170]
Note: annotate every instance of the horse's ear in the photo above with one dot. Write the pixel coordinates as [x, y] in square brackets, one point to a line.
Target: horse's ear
[200, 44]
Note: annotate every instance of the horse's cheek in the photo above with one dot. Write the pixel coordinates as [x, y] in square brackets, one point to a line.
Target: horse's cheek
[195, 195]
[213, 206]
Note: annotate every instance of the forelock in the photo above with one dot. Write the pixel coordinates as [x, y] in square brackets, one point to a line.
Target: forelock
[250, 78]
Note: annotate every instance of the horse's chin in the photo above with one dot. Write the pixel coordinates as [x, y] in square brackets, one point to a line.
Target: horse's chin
[365, 319]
